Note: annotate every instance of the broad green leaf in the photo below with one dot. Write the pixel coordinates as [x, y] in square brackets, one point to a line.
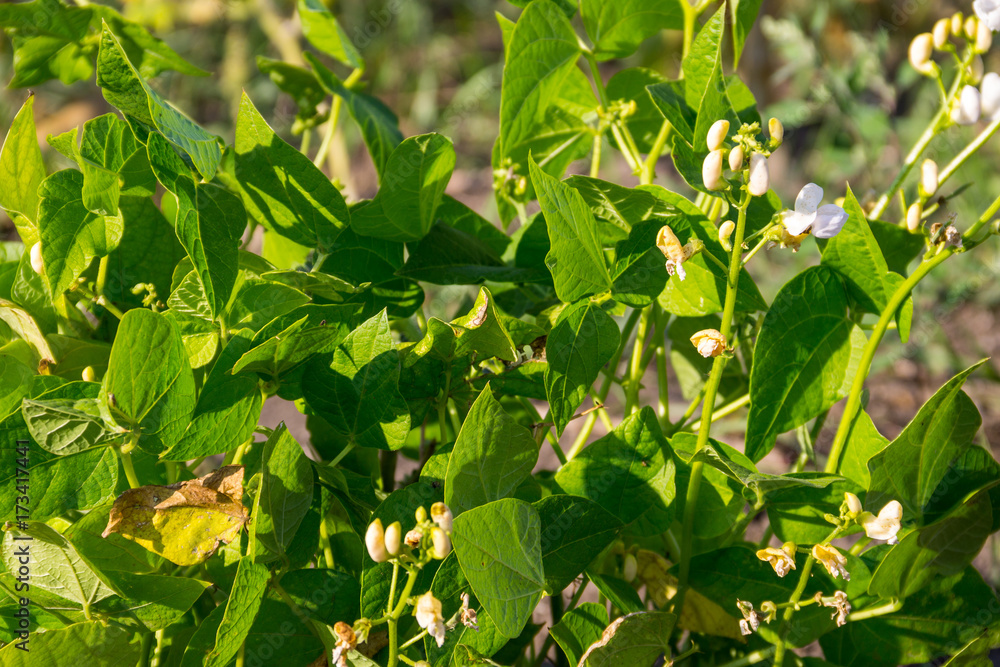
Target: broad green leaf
[47, 36]
[125, 89]
[286, 490]
[942, 548]
[700, 64]
[575, 259]
[617, 205]
[582, 341]
[209, 222]
[151, 395]
[65, 426]
[379, 125]
[574, 531]
[449, 584]
[153, 601]
[300, 83]
[24, 326]
[618, 592]
[30, 291]
[493, 455]
[324, 32]
[412, 187]
[579, 628]
[21, 172]
[92, 643]
[744, 15]
[899, 246]
[863, 442]
[639, 638]
[15, 378]
[184, 522]
[855, 254]
[241, 610]
[935, 623]
[617, 28]
[357, 390]
[227, 410]
[56, 566]
[282, 187]
[150, 55]
[804, 359]
[71, 235]
[542, 52]
[669, 98]
[499, 548]
[258, 301]
[720, 500]
[480, 332]
[796, 512]
[628, 472]
[911, 467]
[113, 553]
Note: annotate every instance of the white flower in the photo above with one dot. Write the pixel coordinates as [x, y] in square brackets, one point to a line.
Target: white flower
[928, 178]
[709, 342]
[428, 613]
[842, 606]
[751, 619]
[782, 560]
[467, 615]
[760, 177]
[989, 96]
[824, 221]
[834, 561]
[441, 515]
[966, 110]
[885, 525]
[988, 12]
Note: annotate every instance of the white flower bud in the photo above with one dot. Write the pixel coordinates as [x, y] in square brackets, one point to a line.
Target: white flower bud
[853, 503]
[941, 33]
[630, 568]
[989, 96]
[956, 23]
[375, 541]
[913, 216]
[725, 231]
[393, 536]
[777, 131]
[971, 27]
[760, 177]
[965, 110]
[984, 38]
[928, 178]
[736, 158]
[920, 53]
[717, 134]
[711, 169]
[37, 265]
[441, 544]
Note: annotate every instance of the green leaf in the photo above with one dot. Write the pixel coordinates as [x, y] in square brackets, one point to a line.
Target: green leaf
[575, 258]
[670, 99]
[125, 89]
[932, 624]
[56, 566]
[15, 378]
[151, 55]
[744, 15]
[914, 464]
[286, 490]
[480, 332]
[499, 548]
[21, 172]
[582, 341]
[797, 512]
[805, 357]
[618, 28]
[574, 531]
[579, 628]
[25, 327]
[227, 410]
[542, 53]
[48, 48]
[412, 186]
[942, 548]
[71, 235]
[735, 573]
[241, 610]
[634, 639]
[153, 393]
[113, 553]
[627, 472]
[65, 426]
[300, 83]
[493, 455]
[92, 643]
[258, 301]
[357, 390]
[324, 32]
[856, 255]
[153, 601]
[209, 222]
[618, 591]
[899, 246]
[720, 500]
[863, 442]
[282, 187]
[647, 121]
[379, 125]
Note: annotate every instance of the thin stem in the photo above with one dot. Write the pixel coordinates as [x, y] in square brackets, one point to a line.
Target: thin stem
[781, 648]
[662, 381]
[711, 389]
[342, 453]
[751, 658]
[272, 24]
[690, 16]
[102, 275]
[763, 242]
[872, 612]
[973, 146]
[144, 648]
[636, 369]
[396, 613]
[126, 458]
[595, 160]
[730, 408]
[655, 151]
[324, 540]
[157, 659]
[911, 159]
[442, 408]
[595, 71]
[854, 397]
[306, 141]
[412, 640]
[241, 656]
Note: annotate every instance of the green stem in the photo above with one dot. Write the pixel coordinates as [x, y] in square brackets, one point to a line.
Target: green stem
[973, 146]
[272, 25]
[854, 397]
[157, 659]
[306, 140]
[873, 612]
[781, 648]
[595, 71]
[911, 159]
[636, 369]
[144, 648]
[763, 242]
[751, 658]
[662, 381]
[324, 540]
[331, 124]
[396, 613]
[595, 160]
[126, 458]
[711, 389]
[442, 408]
[655, 151]
[341, 454]
[102, 276]
[241, 656]
[730, 408]
[690, 17]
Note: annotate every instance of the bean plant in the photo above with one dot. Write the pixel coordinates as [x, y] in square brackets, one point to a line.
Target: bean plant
[513, 485]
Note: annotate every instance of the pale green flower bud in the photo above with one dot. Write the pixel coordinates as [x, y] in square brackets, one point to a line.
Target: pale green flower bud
[957, 19]
[941, 33]
[37, 265]
[440, 543]
[630, 567]
[853, 503]
[89, 375]
[421, 514]
[984, 38]
[777, 132]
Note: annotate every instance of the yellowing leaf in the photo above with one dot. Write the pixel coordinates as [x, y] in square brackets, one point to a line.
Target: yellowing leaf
[183, 522]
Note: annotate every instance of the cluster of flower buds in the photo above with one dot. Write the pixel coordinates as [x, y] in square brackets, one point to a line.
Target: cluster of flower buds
[883, 526]
[746, 157]
[676, 254]
[618, 110]
[507, 181]
[975, 33]
[429, 539]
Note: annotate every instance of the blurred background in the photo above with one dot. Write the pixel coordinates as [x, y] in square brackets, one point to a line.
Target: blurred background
[834, 72]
